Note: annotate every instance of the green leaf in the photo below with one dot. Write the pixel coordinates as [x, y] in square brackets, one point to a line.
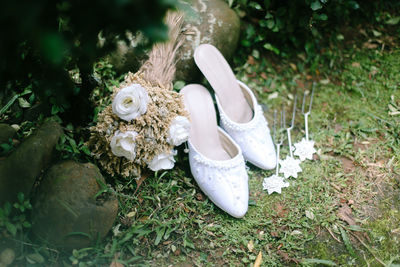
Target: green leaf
[318, 261]
[270, 24]
[178, 85]
[269, 16]
[35, 258]
[354, 5]
[252, 202]
[272, 48]
[73, 145]
[8, 105]
[323, 17]
[340, 37]
[160, 233]
[20, 197]
[376, 33]
[54, 110]
[141, 232]
[188, 243]
[23, 103]
[5, 147]
[85, 150]
[11, 228]
[255, 5]
[26, 91]
[316, 5]
[347, 242]
[246, 43]
[393, 21]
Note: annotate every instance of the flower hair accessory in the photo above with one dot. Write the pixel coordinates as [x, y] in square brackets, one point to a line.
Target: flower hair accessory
[147, 117]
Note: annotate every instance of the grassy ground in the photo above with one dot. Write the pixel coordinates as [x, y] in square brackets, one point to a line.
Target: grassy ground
[342, 210]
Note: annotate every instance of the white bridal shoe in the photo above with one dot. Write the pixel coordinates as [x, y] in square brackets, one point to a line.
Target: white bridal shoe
[241, 116]
[216, 161]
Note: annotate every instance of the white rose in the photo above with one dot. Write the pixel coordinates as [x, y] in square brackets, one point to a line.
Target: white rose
[130, 102]
[178, 131]
[163, 161]
[123, 144]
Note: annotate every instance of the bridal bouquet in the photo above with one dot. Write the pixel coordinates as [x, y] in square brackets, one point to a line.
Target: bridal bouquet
[146, 118]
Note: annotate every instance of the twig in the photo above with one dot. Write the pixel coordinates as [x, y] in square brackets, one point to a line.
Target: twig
[336, 187]
[334, 237]
[368, 248]
[365, 259]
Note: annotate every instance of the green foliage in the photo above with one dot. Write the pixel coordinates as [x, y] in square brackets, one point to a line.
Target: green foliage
[43, 40]
[69, 147]
[13, 217]
[303, 25]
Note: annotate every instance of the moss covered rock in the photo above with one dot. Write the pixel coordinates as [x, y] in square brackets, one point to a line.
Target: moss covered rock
[66, 210]
[206, 22]
[21, 168]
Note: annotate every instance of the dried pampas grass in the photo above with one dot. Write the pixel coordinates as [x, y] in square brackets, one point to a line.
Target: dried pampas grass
[160, 67]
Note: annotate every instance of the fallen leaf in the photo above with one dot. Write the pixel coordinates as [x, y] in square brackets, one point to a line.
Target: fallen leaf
[296, 232]
[393, 21]
[263, 75]
[143, 219]
[376, 33]
[184, 207]
[300, 84]
[250, 60]
[280, 210]
[356, 64]
[250, 246]
[273, 96]
[325, 81]
[284, 255]
[274, 234]
[258, 261]
[131, 214]
[16, 127]
[369, 45]
[199, 196]
[310, 215]
[345, 214]
[116, 264]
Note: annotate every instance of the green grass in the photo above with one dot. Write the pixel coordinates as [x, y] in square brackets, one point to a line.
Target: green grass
[168, 221]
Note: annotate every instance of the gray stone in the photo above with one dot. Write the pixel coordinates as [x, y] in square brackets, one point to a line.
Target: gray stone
[20, 169]
[6, 132]
[206, 21]
[65, 211]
